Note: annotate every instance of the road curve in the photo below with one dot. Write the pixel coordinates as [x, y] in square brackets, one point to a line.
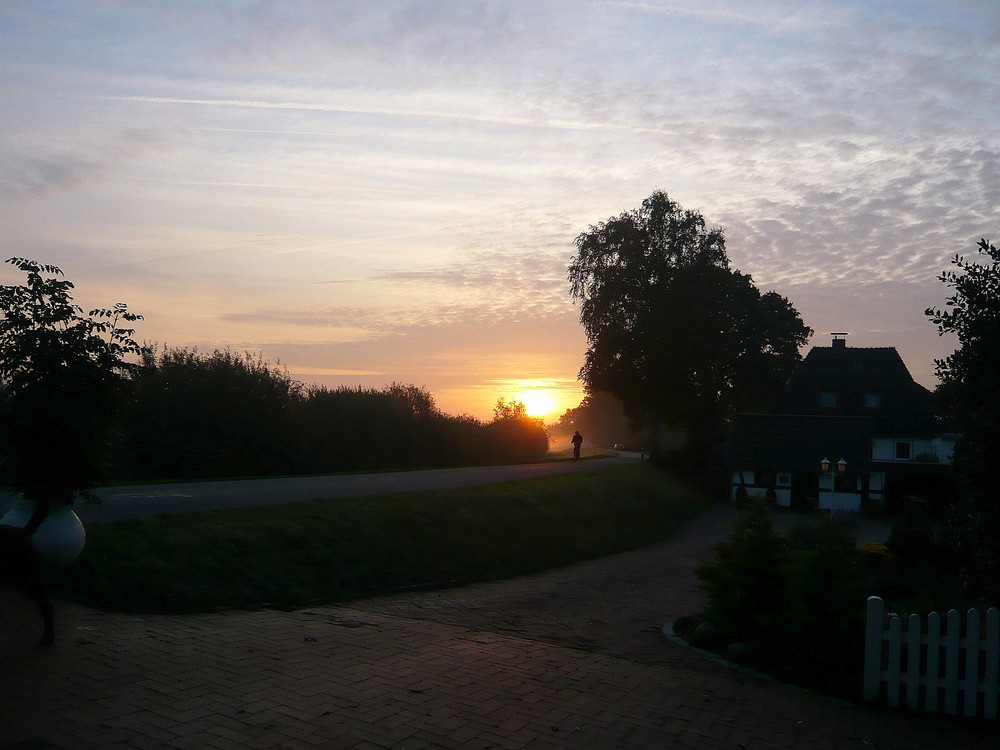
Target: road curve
[145, 501]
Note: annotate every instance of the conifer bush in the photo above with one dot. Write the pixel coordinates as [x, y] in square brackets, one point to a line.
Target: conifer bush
[793, 606]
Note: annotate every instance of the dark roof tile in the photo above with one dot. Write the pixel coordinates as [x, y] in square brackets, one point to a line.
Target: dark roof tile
[852, 374]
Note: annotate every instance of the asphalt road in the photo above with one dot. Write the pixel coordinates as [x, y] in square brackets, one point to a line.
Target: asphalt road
[144, 501]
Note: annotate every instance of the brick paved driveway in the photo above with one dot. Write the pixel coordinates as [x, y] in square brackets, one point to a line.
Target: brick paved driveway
[564, 659]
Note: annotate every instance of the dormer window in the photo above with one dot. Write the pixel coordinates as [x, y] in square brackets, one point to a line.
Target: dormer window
[828, 400]
[873, 400]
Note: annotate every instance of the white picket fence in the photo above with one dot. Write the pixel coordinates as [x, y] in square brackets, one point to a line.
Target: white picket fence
[951, 670]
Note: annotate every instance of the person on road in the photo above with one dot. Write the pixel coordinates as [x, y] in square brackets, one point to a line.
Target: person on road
[577, 442]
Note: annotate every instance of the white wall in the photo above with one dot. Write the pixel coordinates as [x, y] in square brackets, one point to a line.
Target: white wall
[884, 448]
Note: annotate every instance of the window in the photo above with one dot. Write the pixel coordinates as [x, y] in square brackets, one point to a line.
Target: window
[903, 451]
[828, 400]
[873, 400]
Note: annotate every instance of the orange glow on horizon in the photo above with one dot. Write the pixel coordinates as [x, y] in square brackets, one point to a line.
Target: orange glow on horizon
[546, 398]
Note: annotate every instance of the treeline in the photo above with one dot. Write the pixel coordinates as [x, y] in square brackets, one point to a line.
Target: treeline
[193, 415]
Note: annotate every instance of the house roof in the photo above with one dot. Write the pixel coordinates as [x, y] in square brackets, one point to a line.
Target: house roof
[796, 442]
[854, 375]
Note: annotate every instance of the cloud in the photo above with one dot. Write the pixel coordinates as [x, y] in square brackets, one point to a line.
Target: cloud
[702, 12]
[404, 41]
[499, 274]
[346, 106]
[61, 167]
[395, 187]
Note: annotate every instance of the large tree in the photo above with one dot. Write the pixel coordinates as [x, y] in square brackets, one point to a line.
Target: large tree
[970, 398]
[682, 339]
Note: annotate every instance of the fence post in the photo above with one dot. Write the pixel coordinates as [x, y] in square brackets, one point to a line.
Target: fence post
[992, 663]
[972, 645]
[914, 629]
[873, 648]
[933, 661]
[952, 644]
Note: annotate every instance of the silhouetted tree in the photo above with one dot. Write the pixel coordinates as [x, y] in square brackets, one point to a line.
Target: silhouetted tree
[513, 436]
[418, 400]
[677, 335]
[970, 395]
[62, 377]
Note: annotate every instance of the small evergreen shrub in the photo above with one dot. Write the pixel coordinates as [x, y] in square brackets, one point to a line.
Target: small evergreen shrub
[794, 607]
[746, 582]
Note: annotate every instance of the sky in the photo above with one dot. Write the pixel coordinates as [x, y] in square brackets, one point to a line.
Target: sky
[388, 192]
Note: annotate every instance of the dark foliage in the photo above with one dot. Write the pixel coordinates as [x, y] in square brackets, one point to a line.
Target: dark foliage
[746, 583]
[677, 335]
[200, 416]
[793, 607]
[969, 395]
[62, 378]
[197, 415]
[513, 436]
[352, 428]
[826, 595]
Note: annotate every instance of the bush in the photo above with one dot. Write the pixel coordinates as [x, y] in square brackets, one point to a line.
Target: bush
[202, 416]
[827, 591]
[793, 607]
[746, 582]
[355, 428]
[62, 378]
[513, 436]
[199, 416]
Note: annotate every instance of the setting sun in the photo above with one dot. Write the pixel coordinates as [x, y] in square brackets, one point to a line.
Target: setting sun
[546, 398]
[539, 403]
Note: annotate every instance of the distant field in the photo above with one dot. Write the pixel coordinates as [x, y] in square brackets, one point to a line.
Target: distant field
[334, 550]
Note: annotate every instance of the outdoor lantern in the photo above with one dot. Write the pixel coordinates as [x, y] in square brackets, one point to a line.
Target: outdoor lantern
[841, 465]
[825, 464]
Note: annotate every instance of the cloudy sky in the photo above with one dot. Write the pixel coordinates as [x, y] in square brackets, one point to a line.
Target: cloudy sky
[389, 191]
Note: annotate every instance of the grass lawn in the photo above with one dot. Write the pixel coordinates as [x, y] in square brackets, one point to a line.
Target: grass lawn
[305, 553]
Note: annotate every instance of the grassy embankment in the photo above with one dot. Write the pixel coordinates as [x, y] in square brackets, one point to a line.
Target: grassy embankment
[335, 550]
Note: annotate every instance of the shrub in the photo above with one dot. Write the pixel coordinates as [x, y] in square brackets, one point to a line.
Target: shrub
[62, 378]
[198, 415]
[794, 607]
[827, 590]
[746, 582]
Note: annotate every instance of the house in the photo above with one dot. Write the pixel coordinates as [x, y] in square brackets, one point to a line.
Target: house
[852, 431]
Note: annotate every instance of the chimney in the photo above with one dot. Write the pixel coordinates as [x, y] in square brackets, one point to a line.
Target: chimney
[839, 340]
